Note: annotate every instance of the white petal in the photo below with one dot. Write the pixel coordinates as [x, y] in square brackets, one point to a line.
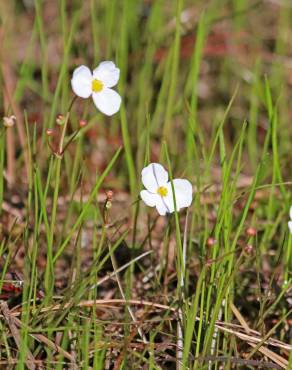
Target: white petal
[152, 200]
[290, 213]
[149, 198]
[183, 194]
[153, 176]
[290, 226]
[107, 101]
[161, 207]
[108, 73]
[81, 82]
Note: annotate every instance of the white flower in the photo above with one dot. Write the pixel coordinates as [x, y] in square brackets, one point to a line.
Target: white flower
[290, 222]
[159, 190]
[97, 84]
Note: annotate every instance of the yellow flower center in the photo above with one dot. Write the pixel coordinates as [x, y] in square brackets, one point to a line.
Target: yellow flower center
[96, 86]
[162, 191]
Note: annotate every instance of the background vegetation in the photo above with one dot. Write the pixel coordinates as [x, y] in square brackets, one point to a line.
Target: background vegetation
[90, 277]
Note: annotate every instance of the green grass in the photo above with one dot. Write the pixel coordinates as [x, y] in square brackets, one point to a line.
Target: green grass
[106, 283]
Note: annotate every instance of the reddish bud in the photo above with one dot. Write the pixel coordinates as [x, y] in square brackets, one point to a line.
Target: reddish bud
[251, 231]
[109, 194]
[60, 120]
[210, 242]
[82, 123]
[50, 132]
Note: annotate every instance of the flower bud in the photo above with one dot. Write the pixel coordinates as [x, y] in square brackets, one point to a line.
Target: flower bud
[251, 231]
[50, 132]
[210, 242]
[82, 123]
[9, 121]
[109, 194]
[60, 120]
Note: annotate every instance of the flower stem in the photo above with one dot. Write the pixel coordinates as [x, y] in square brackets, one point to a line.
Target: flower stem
[180, 338]
[49, 273]
[61, 144]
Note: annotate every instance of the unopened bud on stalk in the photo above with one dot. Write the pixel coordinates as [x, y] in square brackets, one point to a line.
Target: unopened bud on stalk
[82, 123]
[109, 194]
[50, 132]
[109, 198]
[251, 231]
[9, 121]
[210, 242]
[60, 120]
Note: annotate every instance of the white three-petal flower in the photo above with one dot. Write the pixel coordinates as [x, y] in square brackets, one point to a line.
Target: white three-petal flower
[98, 85]
[290, 222]
[159, 190]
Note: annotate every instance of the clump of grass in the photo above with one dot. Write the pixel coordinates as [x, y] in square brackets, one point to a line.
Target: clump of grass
[90, 278]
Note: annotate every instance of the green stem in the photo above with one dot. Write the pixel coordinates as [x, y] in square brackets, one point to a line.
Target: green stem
[49, 273]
